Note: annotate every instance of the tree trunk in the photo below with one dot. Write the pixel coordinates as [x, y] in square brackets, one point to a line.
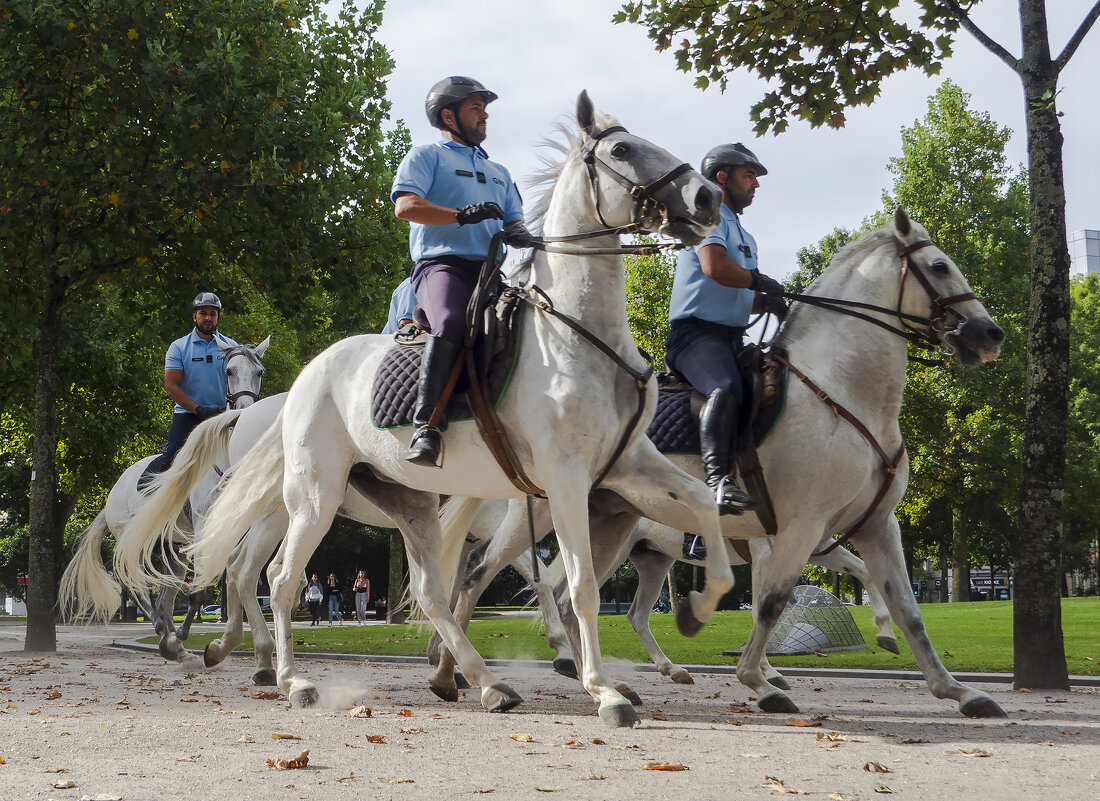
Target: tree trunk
[945, 561]
[1038, 648]
[44, 512]
[396, 591]
[960, 556]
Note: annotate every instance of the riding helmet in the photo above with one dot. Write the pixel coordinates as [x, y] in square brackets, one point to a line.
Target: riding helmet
[451, 90]
[731, 155]
[206, 299]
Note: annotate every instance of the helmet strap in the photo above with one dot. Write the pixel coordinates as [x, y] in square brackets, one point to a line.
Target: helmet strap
[459, 133]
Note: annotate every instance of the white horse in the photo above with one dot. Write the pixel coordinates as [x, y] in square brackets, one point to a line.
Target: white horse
[86, 586]
[504, 538]
[563, 413]
[824, 475]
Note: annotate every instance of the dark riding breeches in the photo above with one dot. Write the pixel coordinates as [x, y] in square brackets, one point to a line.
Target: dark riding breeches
[443, 287]
[706, 355]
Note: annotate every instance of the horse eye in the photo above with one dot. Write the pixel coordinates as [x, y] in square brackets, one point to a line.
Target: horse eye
[620, 150]
[940, 267]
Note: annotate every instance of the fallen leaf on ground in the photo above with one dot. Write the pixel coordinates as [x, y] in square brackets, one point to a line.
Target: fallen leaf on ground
[58, 770]
[598, 741]
[574, 744]
[192, 758]
[671, 766]
[64, 784]
[802, 722]
[300, 761]
[123, 702]
[188, 699]
[1023, 690]
[522, 738]
[772, 783]
[832, 737]
[875, 767]
[278, 736]
[405, 713]
[414, 731]
[659, 717]
[882, 788]
[52, 695]
[246, 738]
[595, 777]
[974, 752]
[360, 712]
[267, 695]
[550, 788]
[1071, 732]
[378, 738]
[913, 741]
[837, 797]
[396, 780]
[35, 712]
[350, 778]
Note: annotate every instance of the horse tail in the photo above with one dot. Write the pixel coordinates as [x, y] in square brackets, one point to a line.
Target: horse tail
[86, 586]
[252, 491]
[155, 524]
[455, 518]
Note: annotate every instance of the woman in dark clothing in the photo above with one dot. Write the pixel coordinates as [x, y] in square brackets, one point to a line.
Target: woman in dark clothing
[332, 590]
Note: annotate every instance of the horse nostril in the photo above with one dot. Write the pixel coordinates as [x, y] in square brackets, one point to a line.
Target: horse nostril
[704, 198]
[995, 334]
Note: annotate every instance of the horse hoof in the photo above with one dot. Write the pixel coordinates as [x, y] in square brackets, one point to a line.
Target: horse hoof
[621, 716]
[169, 648]
[566, 667]
[779, 682]
[265, 678]
[681, 676]
[209, 654]
[500, 698]
[305, 698]
[686, 621]
[460, 681]
[627, 692]
[445, 691]
[777, 702]
[887, 643]
[982, 707]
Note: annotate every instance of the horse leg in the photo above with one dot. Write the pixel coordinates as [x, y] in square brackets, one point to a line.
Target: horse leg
[652, 567]
[556, 636]
[778, 575]
[572, 524]
[665, 493]
[844, 561]
[880, 546]
[761, 550]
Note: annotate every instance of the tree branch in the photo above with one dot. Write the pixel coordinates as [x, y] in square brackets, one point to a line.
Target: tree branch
[1078, 37]
[982, 37]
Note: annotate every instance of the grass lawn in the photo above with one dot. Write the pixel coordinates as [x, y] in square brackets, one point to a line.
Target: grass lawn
[971, 637]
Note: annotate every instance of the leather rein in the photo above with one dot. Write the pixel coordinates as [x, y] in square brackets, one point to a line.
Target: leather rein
[931, 336]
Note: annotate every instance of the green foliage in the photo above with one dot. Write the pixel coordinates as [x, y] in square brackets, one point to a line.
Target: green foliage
[1082, 523]
[819, 57]
[648, 290]
[813, 260]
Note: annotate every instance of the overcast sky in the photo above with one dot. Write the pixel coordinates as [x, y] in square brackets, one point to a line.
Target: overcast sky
[538, 56]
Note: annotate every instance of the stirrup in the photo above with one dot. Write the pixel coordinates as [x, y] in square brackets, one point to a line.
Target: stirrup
[432, 456]
[738, 500]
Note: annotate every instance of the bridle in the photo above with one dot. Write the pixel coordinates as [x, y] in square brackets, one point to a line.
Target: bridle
[232, 398]
[647, 207]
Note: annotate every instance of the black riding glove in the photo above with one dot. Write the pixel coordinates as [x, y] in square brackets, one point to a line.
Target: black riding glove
[206, 412]
[516, 236]
[765, 284]
[774, 304]
[479, 212]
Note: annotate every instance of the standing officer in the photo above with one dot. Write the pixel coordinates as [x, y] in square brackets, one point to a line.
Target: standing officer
[456, 199]
[712, 298]
[194, 377]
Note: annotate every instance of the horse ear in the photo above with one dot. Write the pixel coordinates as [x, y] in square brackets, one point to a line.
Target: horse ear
[586, 113]
[223, 346]
[260, 349]
[902, 227]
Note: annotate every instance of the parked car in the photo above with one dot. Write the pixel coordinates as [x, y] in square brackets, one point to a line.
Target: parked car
[214, 610]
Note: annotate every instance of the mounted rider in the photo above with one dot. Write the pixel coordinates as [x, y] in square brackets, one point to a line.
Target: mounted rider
[194, 377]
[455, 199]
[713, 294]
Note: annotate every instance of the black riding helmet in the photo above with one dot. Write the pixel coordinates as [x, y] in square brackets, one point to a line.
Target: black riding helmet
[723, 157]
[206, 299]
[448, 93]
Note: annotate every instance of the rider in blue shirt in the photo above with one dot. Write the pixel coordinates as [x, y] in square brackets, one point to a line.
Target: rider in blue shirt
[456, 199]
[713, 294]
[194, 377]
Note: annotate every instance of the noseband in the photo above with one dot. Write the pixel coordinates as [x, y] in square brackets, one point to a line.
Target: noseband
[941, 306]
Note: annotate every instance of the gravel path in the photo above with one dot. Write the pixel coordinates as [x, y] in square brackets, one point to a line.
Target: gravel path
[121, 725]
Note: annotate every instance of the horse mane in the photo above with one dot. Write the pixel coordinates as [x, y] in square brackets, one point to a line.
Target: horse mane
[566, 141]
[841, 264]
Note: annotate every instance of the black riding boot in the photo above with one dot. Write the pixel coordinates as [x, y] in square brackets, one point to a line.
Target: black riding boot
[716, 443]
[435, 368]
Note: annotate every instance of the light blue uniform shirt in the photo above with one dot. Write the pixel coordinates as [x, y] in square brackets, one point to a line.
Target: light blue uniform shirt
[696, 295]
[453, 175]
[402, 305]
[203, 365]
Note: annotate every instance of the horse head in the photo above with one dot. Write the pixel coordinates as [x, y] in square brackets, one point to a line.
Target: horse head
[244, 372]
[663, 195]
[955, 317]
